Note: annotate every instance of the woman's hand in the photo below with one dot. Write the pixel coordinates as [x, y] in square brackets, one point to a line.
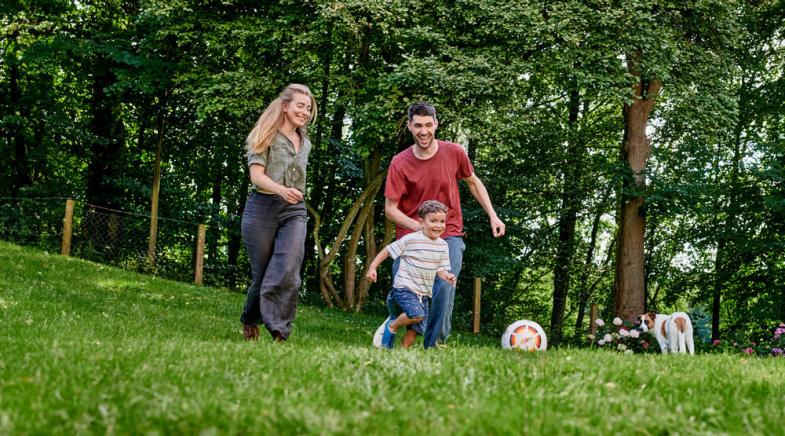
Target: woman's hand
[291, 195]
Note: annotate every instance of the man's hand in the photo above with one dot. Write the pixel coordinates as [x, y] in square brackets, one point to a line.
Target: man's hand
[371, 274]
[497, 227]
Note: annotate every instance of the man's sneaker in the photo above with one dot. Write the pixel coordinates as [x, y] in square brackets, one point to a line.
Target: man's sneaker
[377, 337]
[388, 337]
[250, 332]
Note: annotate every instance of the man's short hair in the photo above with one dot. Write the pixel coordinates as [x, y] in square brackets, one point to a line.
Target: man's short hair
[431, 206]
[421, 108]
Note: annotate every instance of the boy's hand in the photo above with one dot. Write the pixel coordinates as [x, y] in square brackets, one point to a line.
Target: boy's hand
[371, 274]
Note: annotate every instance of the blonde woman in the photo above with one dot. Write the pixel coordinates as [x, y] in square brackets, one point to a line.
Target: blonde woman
[273, 224]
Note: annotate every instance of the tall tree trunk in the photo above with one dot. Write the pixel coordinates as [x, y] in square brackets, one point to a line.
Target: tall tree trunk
[724, 265]
[107, 142]
[568, 217]
[585, 291]
[629, 283]
[20, 170]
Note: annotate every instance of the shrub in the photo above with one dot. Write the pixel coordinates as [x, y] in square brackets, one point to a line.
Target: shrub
[621, 336]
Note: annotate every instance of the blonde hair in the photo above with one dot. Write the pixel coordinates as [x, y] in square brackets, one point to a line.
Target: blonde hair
[272, 119]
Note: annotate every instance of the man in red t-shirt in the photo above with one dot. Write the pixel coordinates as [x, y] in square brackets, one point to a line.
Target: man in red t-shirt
[430, 170]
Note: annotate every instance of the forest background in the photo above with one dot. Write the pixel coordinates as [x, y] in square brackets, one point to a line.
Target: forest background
[635, 149]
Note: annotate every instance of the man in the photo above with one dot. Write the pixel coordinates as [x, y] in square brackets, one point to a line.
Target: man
[430, 170]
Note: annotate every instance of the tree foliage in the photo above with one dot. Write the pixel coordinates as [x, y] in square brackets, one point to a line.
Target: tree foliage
[536, 92]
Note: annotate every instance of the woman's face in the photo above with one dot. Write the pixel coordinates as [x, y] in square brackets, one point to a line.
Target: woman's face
[298, 110]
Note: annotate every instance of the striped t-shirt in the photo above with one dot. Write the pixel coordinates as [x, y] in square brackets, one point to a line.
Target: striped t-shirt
[421, 257]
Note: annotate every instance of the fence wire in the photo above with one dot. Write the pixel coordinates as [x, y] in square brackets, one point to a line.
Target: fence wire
[121, 239]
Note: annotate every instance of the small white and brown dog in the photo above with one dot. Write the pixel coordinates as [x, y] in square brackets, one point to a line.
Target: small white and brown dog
[673, 332]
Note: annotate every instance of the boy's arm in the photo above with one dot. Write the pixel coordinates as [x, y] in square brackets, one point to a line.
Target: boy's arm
[381, 257]
[447, 276]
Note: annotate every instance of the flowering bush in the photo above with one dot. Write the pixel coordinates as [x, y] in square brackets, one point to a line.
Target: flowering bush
[773, 346]
[621, 336]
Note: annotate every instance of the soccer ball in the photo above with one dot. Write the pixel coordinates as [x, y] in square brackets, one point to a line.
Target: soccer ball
[524, 335]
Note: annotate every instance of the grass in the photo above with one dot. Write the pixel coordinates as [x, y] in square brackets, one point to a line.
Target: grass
[86, 348]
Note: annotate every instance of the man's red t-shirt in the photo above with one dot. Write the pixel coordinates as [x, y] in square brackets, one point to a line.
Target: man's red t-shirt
[411, 181]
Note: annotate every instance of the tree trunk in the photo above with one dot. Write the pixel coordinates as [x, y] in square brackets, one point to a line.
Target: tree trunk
[107, 142]
[568, 217]
[585, 290]
[629, 283]
[330, 294]
[21, 175]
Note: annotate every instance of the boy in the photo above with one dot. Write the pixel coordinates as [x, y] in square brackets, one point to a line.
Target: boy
[422, 255]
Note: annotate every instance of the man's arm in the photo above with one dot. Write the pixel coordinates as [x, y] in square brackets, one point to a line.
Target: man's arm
[395, 215]
[481, 195]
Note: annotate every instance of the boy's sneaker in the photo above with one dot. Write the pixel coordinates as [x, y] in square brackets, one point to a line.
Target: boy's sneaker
[377, 337]
[388, 337]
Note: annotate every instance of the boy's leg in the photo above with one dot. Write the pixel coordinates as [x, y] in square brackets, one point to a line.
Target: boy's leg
[409, 338]
[413, 311]
[402, 321]
[439, 318]
[392, 309]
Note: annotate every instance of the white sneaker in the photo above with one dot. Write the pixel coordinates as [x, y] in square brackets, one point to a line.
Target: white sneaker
[377, 337]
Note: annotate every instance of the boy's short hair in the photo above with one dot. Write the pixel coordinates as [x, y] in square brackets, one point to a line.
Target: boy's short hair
[431, 206]
[421, 108]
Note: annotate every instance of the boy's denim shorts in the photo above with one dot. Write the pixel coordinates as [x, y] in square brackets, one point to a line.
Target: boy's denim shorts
[403, 300]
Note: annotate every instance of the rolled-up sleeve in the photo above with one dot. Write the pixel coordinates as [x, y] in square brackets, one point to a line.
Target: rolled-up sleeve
[258, 158]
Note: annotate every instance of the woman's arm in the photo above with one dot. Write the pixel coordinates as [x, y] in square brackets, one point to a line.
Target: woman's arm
[260, 179]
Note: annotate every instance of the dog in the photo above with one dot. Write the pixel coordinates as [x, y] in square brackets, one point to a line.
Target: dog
[673, 332]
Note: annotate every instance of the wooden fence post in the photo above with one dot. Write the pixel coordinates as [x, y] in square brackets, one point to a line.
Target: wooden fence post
[68, 223]
[476, 312]
[199, 256]
[592, 319]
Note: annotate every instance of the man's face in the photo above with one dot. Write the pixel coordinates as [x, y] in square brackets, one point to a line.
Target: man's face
[423, 128]
[433, 224]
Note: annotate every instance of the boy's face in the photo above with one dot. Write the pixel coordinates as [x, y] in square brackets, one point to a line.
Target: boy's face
[433, 224]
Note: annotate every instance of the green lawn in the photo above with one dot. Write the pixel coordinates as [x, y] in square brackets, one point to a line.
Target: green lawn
[86, 348]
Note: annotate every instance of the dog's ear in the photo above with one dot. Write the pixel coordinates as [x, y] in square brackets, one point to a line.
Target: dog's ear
[652, 315]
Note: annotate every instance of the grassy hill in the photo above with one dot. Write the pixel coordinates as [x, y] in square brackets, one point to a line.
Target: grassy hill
[86, 348]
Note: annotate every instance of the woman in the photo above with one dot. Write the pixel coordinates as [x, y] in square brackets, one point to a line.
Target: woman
[273, 225]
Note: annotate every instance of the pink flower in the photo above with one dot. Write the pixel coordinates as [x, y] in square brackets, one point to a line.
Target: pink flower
[601, 342]
[645, 345]
[607, 338]
[748, 350]
[599, 322]
[716, 342]
[623, 333]
[617, 321]
[634, 334]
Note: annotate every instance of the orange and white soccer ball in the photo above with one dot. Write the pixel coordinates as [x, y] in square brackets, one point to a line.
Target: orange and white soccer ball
[525, 335]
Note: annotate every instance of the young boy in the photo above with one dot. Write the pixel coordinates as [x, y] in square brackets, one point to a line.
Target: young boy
[423, 255]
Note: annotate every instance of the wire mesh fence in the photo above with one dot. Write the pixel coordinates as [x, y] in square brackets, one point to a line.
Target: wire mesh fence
[122, 239]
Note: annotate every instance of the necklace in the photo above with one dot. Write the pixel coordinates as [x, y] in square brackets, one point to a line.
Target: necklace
[294, 137]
